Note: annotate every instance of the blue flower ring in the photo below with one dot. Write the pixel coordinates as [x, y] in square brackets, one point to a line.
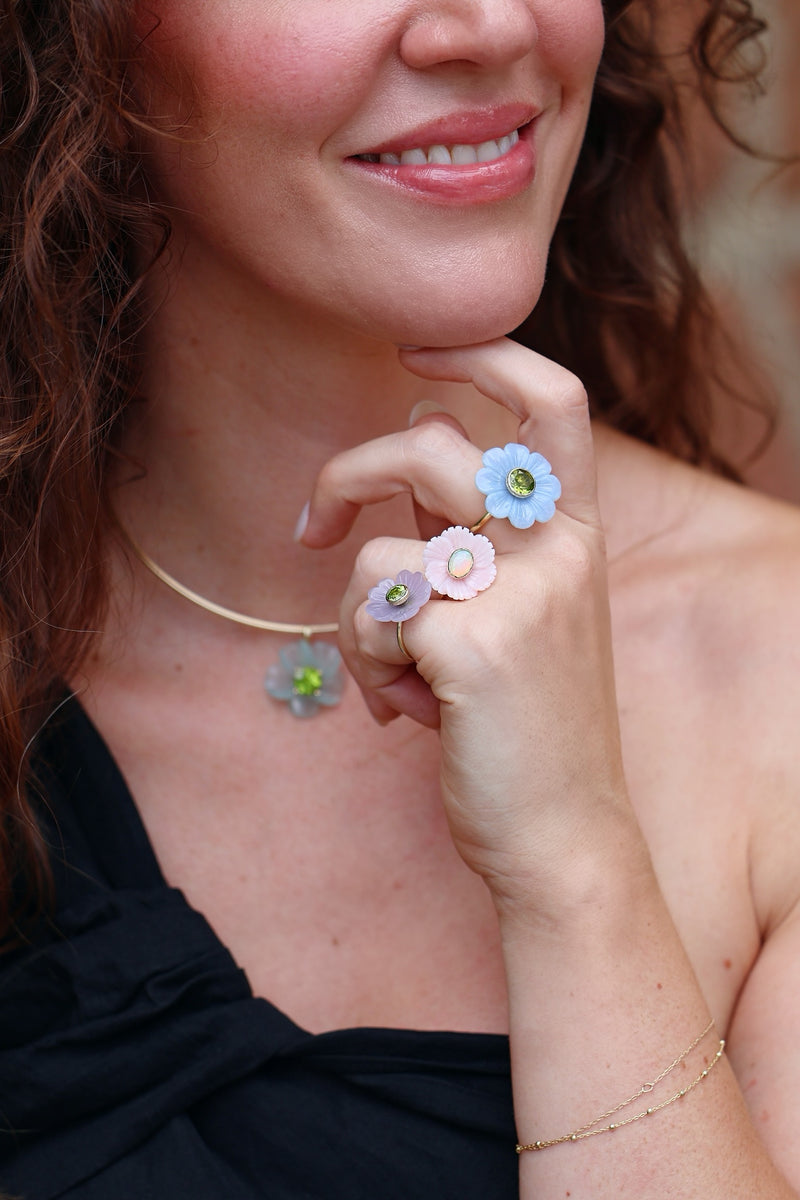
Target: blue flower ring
[399, 599]
[518, 484]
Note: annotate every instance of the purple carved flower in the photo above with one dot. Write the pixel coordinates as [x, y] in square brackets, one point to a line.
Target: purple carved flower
[399, 599]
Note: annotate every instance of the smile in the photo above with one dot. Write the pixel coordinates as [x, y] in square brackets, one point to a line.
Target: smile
[460, 154]
[466, 160]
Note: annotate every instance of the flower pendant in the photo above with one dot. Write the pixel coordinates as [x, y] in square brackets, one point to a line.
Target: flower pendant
[306, 676]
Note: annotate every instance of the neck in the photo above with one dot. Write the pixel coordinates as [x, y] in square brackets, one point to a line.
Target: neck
[243, 403]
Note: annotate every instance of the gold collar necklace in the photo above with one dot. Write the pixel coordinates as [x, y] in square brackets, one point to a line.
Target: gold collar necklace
[306, 676]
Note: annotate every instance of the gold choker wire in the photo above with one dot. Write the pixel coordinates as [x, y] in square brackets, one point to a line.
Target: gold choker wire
[306, 676]
[306, 631]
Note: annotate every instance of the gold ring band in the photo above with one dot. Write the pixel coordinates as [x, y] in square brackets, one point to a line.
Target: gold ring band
[401, 644]
[478, 526]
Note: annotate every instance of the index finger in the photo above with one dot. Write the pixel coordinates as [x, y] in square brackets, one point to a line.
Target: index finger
[549, 402]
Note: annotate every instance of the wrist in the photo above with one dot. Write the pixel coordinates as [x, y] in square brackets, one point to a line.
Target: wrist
[574, 888]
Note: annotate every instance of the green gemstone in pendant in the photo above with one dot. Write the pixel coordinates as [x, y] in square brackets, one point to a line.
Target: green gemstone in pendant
[397, 594]
[520, 483]
[460, 563]
[307, 681]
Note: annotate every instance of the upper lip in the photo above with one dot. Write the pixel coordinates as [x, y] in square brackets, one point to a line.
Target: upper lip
[469, 127]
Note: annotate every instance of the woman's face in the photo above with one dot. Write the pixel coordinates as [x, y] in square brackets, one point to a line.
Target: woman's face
[331, 160]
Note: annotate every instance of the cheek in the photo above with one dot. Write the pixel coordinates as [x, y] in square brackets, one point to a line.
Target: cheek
[294, 81]
[294, 67]
[571, 35]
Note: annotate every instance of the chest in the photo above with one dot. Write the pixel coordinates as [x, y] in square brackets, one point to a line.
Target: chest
[319, 853]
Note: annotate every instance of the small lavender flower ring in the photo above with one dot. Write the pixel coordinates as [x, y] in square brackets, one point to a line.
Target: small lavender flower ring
[518, 484]
[458, 563]
[399, 599]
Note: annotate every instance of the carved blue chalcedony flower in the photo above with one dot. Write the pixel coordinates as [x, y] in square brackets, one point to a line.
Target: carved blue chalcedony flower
[518, 484]
[399, 599]
[307, 675]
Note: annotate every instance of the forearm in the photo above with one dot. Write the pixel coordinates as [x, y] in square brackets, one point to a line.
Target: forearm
[601, 1002]
[602, 995]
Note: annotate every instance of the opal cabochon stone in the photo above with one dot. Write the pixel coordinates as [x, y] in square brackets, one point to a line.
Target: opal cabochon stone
[460, 563]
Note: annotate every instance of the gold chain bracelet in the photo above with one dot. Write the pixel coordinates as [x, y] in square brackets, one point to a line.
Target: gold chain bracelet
[589, 1130]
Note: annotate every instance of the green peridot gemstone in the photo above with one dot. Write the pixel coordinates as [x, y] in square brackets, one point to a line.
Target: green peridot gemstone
[397, 594]
[307, 681]
[520, 483]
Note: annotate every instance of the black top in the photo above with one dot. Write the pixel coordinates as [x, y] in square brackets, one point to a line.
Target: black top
[136, 1064]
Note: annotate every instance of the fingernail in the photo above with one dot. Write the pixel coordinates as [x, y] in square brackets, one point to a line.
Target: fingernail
[423, 409]
[302, 522]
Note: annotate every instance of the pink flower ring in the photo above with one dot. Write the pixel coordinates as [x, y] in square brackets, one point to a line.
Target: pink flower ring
[459, 564]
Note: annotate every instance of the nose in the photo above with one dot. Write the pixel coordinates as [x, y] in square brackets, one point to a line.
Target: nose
[483, 32]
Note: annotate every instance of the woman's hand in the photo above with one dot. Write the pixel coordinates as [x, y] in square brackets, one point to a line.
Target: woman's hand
[519, 678]
[600, 990]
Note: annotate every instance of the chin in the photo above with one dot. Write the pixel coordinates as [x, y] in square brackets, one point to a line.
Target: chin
[458, 332]
[461, 317]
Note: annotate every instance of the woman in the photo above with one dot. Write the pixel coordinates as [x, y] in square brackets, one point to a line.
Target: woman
[215, 416]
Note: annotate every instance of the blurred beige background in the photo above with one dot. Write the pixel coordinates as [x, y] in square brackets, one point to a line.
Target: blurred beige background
[745, 232]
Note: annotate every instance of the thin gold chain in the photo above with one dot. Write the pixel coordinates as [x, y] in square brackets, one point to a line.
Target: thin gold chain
[229, 614]
[648, 1087]
[588, 1130]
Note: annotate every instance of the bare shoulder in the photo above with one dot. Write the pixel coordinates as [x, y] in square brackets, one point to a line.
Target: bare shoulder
[717, 565]
[705, 583]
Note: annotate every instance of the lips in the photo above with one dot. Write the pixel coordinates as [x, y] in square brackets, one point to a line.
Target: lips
[469, 158]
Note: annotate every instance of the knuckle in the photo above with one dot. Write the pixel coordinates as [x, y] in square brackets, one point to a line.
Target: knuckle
[433, 441]
[569, 395]
[567, 579]
[376, 550]
[578, 560]
[328, 478]
[575, 574]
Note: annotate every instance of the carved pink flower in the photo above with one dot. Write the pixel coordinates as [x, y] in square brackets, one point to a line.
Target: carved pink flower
[459, 564]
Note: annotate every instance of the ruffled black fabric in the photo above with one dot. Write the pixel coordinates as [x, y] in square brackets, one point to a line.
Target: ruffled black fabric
[135, 1063]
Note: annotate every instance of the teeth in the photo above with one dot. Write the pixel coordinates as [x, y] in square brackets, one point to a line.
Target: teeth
[440, 154]
[461, 155]
[487, 151]
[458, 155]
